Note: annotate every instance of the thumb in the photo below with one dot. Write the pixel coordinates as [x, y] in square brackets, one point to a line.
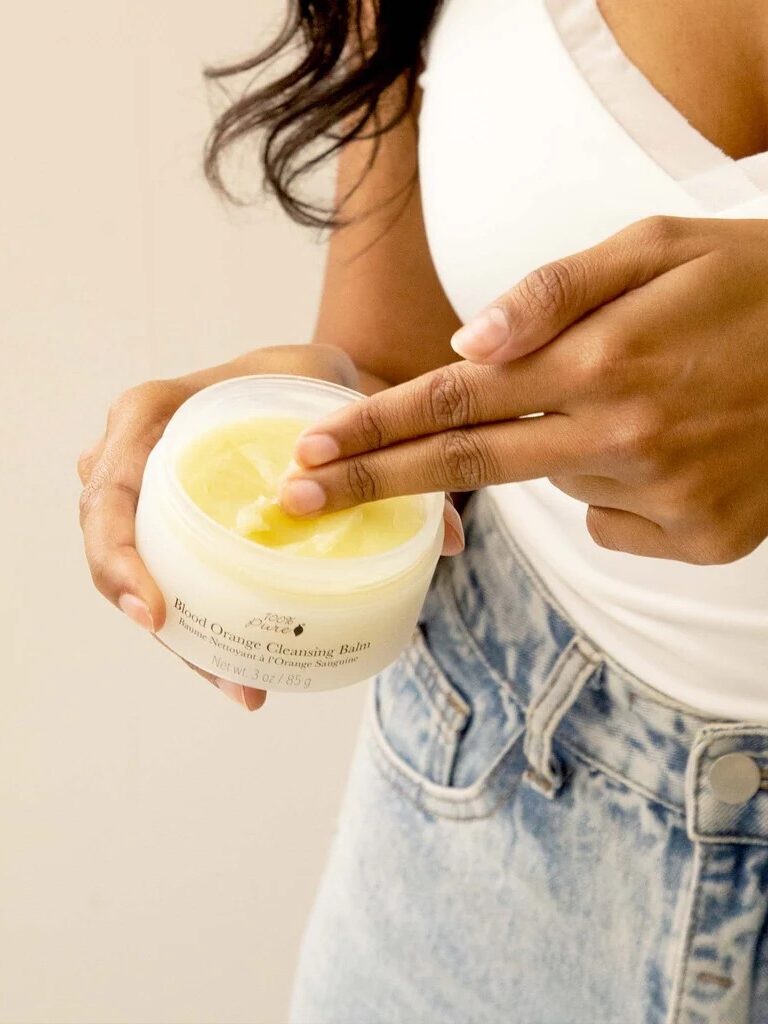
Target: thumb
[557, 294]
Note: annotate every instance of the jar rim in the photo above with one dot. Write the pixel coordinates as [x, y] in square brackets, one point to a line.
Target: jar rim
[313, 570]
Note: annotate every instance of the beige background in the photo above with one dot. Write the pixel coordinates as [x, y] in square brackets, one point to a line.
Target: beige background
[160, 846]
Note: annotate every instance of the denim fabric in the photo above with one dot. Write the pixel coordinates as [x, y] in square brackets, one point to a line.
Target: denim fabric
[529, 833]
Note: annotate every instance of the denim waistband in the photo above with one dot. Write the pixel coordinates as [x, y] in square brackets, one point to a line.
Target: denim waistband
[574, 696]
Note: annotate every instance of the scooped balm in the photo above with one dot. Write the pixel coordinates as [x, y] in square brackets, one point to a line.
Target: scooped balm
[255, 595]
[233, 472]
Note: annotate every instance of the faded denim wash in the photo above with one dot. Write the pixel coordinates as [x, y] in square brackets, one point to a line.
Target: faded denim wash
[529, 833]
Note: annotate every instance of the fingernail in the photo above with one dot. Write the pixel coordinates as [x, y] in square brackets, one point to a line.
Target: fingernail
[239, 694]
[302, 496]
[483, 335]
[316, 449]
[453, 541]
[137, 610]
[254, 699]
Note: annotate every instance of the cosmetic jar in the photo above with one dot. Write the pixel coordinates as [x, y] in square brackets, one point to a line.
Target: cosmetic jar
[259, 615]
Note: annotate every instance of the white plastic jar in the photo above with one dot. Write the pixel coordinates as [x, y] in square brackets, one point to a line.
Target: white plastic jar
[257, 615]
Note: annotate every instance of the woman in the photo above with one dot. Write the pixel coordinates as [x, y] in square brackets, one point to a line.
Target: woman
[558, 810]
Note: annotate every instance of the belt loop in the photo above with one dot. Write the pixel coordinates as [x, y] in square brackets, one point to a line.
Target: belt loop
[575, 665]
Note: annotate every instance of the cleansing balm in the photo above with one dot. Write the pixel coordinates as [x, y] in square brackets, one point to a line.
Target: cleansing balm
[260, 597]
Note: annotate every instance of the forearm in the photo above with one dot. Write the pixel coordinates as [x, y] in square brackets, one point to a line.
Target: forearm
[367, 382]
[370, 383]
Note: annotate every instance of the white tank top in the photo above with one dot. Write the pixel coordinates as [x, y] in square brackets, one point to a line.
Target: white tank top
[539, 138]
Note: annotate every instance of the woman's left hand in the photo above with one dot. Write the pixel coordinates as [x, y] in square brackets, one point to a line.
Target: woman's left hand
[647, 354]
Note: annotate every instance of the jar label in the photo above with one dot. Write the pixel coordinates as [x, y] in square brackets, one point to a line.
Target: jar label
[272, 649]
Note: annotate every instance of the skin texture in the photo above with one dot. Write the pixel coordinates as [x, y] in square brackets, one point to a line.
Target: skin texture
[647, 354]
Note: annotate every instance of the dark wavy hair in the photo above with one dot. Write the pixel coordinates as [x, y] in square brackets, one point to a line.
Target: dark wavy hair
[349, 53]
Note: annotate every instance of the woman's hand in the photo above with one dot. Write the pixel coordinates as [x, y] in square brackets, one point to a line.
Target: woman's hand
[648, 355]
[111, 472]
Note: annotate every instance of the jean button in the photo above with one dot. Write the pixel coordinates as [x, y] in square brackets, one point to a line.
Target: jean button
[735, 778]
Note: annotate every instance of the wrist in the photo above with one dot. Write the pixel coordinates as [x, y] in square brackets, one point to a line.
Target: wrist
[323, 362]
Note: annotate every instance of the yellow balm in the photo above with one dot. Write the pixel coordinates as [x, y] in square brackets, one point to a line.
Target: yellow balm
[260, 597]
[232, 473]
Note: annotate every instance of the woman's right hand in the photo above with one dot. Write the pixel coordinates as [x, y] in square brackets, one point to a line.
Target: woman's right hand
[111, 471]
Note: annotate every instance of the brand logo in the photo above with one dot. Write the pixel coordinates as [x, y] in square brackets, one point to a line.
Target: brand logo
[271, 622]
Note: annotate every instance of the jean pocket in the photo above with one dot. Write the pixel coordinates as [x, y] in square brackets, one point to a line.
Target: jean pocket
[450, 743]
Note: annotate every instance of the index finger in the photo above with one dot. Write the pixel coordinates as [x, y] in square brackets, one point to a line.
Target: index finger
[457, 395]
[107, 512]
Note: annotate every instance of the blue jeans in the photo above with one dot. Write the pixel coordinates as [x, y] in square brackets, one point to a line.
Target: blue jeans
[531, 835]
